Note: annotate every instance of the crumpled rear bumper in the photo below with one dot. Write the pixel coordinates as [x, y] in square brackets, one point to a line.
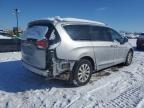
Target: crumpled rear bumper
[44, 73]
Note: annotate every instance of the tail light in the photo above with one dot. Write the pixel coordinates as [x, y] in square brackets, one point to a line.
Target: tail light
[42, 43]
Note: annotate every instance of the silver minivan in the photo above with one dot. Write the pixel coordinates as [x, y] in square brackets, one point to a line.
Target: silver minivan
[72, 48]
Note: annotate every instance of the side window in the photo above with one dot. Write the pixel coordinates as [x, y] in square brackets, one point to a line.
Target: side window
[78, 32]
[100, 34]
[108, 35]
[54, 37]
[116, 36]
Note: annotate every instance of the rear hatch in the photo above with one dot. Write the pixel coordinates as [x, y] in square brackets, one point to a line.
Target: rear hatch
[35, 44]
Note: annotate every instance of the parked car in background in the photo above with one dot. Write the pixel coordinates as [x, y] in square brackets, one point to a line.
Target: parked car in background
[140, 41]
[74, 47]
[131, 36]
[5, 34]
[9, 43]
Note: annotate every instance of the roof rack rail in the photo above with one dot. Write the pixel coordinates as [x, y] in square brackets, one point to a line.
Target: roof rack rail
[59, 19]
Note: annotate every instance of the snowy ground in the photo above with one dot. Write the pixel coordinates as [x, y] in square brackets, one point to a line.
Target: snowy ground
[115, 87]
[4, 37]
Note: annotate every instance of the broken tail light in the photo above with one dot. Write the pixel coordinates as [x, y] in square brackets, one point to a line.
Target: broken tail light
[42, 43]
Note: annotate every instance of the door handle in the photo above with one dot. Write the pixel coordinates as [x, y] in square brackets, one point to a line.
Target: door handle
[111, 45]
[114, 46]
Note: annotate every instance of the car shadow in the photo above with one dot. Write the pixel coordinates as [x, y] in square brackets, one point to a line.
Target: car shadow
[15, 78]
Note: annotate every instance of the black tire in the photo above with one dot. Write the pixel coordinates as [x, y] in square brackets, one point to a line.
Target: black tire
[129, 58]
[77, 73]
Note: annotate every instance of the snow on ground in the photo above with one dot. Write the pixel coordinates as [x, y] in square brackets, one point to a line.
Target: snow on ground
[4, 37]
[115, 87]
[12, 56]
[141, 104]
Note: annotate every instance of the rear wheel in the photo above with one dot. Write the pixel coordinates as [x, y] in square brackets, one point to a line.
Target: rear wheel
[129, 58]
[82, 72]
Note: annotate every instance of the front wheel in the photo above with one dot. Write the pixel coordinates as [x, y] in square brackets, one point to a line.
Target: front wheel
[82, 72]
[129, 58]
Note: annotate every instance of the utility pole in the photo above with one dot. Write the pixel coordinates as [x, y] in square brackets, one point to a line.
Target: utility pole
[16, 12]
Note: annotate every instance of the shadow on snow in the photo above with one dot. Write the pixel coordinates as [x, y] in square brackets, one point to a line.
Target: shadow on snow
[15, 78]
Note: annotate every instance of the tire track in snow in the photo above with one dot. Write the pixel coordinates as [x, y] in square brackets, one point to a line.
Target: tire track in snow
[89, 93]
[128, 99]
[73, 101]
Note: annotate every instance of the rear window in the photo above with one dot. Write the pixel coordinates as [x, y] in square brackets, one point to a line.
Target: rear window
[78, 32]
[36, 32]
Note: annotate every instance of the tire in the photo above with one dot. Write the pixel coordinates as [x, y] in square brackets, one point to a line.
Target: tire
[81, 73]
[129, 58]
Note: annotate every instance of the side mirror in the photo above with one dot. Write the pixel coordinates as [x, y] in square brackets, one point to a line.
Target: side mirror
[124, 40]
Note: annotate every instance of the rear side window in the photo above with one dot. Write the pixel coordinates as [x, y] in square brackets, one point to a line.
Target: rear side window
[78, 32]
[36, 32]
[54, 37]
[100, 34]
